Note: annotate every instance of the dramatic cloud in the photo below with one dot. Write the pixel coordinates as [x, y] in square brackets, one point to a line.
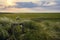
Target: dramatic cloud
[25, 5]
[29, 5]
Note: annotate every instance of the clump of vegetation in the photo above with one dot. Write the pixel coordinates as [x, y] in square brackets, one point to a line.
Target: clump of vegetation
[28, 29]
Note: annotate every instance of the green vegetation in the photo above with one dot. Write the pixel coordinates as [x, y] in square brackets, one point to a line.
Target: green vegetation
[30, 26]
[34, 15]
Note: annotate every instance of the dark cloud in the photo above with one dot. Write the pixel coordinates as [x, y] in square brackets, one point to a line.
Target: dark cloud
[25, 5]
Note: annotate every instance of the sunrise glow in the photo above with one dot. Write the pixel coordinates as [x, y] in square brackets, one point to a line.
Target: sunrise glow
[9, 2]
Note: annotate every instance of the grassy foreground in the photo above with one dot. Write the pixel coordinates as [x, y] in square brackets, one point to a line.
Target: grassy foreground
[28, 26]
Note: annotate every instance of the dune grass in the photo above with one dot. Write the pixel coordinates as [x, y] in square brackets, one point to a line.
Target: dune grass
[26, 26]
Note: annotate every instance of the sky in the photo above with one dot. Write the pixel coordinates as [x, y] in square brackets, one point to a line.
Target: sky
[29, 5]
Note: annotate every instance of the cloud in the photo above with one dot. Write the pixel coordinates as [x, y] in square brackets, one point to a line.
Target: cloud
[17, 10]
[25, 5]
[22, 3]
[33, 6]
[49, 4]
[27, 0]
[46, 3]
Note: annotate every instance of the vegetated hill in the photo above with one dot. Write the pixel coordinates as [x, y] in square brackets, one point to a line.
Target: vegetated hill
[29, 29]
[26, 26]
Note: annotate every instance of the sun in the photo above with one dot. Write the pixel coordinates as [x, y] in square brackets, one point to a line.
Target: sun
[9, 2]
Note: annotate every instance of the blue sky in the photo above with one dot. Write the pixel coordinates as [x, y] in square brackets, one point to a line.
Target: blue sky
[29, 5]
